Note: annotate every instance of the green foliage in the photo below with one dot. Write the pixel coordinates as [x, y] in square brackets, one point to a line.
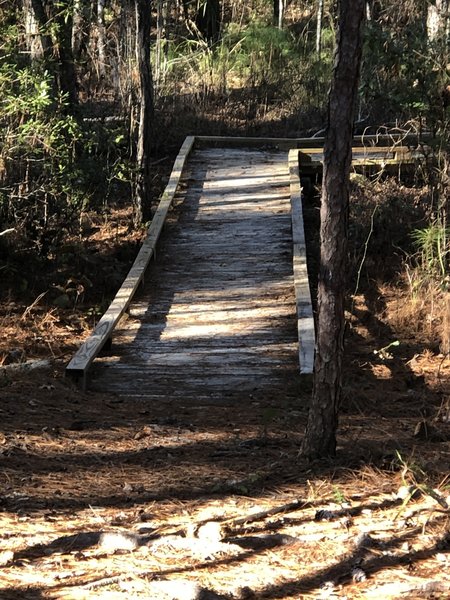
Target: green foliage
[53, 165]
[403, 71]
[38, 147]
[257, 52]
[433, 248]
[253, 64]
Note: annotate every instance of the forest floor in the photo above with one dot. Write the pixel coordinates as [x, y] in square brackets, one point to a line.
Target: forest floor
[106, 498]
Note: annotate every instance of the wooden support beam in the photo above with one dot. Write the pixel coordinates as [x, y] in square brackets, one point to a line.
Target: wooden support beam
[361, 141]
[305, 316]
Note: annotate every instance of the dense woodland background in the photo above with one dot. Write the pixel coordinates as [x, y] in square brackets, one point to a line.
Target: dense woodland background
[97, 96]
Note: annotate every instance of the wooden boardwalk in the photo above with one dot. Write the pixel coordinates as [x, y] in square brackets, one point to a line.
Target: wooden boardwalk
[226, 308]
[217, 317]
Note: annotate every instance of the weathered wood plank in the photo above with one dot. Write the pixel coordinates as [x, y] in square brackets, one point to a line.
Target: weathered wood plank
[227, 307]
[311, 142]
[220, 307]
[82, 360]
[305, 317]
[208, 383]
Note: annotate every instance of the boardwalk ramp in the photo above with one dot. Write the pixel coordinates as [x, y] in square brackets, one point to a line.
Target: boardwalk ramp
[225, 307]
[217, 315]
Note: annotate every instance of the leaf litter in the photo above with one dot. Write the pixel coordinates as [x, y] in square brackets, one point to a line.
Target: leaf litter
[107, 498]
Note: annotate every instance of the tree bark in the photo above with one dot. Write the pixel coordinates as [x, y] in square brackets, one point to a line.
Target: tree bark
[80, 28]
[278, 12]
[101, 35]
[66, 68]
[319, 27]
[161, 41]
[208, 20]
[38, 14]
[142, 208]
[437, 20]
[38, 40]
[320, 435]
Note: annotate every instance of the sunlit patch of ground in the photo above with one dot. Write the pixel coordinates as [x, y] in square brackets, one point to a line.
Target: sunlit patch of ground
[76, 467]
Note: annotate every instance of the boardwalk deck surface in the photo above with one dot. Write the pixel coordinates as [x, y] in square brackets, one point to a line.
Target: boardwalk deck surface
[217, 315]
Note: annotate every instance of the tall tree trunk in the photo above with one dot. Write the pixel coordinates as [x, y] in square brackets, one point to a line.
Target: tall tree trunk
[437, 20]
[80, 28]
[319, 26]
[101, 34]
[142, 208]
[320, 436]
[208, 19]
[127, 54]
[38, 39]
[278, 12]
[38, 14]
[66, 69]
[161, 42]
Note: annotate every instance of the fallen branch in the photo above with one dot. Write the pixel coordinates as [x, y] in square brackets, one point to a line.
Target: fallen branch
[7, 231]
[29, 365]
[259, 516]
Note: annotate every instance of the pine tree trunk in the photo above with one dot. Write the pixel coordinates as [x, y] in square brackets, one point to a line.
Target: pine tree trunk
[80, 28]
[101, 34]
[319, 26]
[278, 12]
[208, 20]
[160, 41]
[67, 76]
[38, 40]
[320, 436]
[437, 20]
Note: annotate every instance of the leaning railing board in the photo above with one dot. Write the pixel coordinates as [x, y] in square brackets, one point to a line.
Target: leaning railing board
[300, 160]
[305, 316]
[393, 142]
[90, 349]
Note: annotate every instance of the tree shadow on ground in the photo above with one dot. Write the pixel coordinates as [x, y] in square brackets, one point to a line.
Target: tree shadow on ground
[342, 571]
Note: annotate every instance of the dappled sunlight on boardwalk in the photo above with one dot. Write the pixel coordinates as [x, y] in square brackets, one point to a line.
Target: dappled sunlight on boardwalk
[218, 312]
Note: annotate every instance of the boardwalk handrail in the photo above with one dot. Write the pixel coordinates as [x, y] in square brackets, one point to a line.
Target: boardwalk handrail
[305, 316]
[393, 141]
[82, 360]
[304, 157]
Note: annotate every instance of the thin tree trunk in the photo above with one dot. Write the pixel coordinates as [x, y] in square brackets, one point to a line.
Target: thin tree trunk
[101, 34]
[319, 26]
[278, 12]
[320, 436]
[66, 68]
[127, 53]
[142, 208]
[161, 10]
